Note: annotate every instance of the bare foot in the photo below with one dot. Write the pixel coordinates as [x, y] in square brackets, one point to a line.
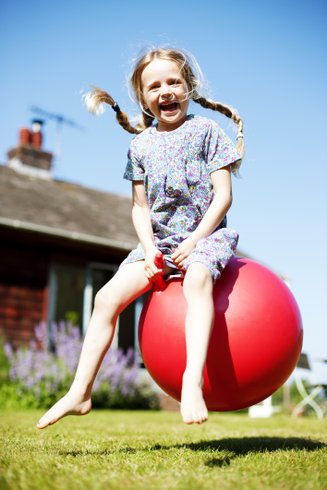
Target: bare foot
[70, 404]
[193, 407]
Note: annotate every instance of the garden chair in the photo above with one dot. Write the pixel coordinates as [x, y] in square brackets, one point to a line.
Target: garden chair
[313, 393]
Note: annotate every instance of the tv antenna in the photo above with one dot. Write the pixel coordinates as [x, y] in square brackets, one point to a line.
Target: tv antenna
[60, 120]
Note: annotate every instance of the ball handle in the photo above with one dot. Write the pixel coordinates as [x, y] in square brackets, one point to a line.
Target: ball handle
[159, 284]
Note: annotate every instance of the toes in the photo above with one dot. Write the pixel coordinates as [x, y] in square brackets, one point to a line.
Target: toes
[45, 422]
[200, 420]
[42, 425]
[194, 418]
[187, 418]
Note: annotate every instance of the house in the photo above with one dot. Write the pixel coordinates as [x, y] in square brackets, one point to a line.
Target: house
[60, 242]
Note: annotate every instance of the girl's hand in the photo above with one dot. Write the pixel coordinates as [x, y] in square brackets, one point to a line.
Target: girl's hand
[183, 251]
[151, 271]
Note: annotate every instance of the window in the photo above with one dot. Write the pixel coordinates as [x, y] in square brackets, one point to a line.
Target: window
[66, 293]
[96, 276]
[72, 293]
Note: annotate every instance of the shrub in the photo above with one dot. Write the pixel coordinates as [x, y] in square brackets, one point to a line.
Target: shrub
[4, 364]
[42, 372]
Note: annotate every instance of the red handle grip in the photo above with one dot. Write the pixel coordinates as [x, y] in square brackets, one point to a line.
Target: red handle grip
[159, 284]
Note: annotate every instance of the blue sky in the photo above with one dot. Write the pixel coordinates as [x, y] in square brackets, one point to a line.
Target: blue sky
[267, 59]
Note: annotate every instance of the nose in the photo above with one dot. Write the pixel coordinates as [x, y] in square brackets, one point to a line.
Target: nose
[166, 91]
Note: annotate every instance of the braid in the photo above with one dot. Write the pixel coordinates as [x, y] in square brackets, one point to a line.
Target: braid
[94, 101]
[145, 122]
[229, 112]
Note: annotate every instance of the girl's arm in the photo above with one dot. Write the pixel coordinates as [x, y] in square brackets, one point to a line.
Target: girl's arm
[143, 228]
[222, 201]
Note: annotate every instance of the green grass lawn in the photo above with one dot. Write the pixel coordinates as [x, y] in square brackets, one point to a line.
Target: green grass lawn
[155, 450]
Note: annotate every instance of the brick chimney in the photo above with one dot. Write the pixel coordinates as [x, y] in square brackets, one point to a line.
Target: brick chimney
[28, 157]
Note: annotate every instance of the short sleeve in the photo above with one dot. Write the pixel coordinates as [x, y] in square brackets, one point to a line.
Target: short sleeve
[134, 169]
[220, 150]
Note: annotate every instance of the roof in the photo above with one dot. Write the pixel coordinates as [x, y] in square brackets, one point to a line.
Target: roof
[65, 209]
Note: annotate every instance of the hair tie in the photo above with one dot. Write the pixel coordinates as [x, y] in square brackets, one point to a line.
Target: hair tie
[239, 136]
[116, 107]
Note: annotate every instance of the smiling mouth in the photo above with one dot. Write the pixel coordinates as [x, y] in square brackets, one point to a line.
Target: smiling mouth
[169, 107]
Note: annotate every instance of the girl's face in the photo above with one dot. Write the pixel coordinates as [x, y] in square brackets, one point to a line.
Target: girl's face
[164, 93]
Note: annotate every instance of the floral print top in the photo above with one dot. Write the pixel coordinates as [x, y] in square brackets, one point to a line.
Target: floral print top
[175, 167]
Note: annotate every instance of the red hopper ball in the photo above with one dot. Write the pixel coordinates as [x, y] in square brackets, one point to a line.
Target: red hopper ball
[255, 343]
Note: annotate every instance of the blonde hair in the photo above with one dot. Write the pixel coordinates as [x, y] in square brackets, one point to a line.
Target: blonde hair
[192, 75]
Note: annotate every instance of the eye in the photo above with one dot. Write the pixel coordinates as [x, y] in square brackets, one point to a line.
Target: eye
[176, 82]
[154, 87]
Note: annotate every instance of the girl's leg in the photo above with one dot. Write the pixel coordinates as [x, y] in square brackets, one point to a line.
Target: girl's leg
[198, 286]
[128, 283]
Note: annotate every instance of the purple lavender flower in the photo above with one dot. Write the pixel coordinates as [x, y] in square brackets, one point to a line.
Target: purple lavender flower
[45, 373]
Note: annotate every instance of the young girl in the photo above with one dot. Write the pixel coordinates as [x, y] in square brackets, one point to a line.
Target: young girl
[180, 170]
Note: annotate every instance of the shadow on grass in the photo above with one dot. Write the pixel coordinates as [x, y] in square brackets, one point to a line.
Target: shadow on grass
[234, 446]
[245, 445]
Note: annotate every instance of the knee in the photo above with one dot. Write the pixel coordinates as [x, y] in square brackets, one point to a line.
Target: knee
[106, 301]
[197, 280]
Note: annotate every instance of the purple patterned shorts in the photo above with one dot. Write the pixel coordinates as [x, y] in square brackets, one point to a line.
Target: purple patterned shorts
[214, 252]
